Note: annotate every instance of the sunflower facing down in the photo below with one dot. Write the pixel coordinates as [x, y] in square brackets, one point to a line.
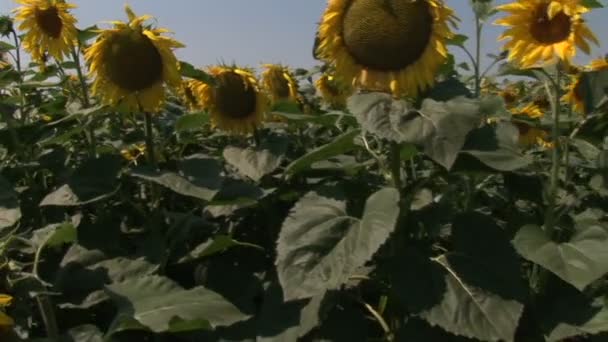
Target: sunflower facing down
[186, 93]
[49, 27]
[131, 63]
[575, 94]
[333, 92]
[235, 102]
[541, 30]
[6, 322]
[394, 46]
[279, 83]
[529, 134]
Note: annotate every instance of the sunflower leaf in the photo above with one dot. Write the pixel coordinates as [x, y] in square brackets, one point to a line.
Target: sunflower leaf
[579, 262]
[320, 246]
[159, 304]
[188, 70]
[10, 211]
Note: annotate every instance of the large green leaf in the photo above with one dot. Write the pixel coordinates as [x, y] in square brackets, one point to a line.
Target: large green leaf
[440, 127]
[579, 261]
[340, 145]
[452, 120]
[10, 211]
[472, 311]
[282, 321]
[257, 162]
[199, 177]
[94, 180]
[568, 313]
[320, 246]
[84, 273]
[161, 305]
[496, 147]
[484, 294]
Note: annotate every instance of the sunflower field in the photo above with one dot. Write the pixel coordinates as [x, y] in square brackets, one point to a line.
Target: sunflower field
[394, 192]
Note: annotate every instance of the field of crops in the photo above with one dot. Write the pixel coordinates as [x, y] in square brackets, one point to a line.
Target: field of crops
[392, 193]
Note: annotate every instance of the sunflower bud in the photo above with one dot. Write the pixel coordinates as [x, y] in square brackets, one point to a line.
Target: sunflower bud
[6, 25]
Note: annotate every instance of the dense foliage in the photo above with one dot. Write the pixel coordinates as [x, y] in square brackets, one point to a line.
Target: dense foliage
[391, 219]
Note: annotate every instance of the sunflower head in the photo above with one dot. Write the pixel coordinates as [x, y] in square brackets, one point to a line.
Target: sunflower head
[575, 94]
[542, 31]
[529, 111]
[6, 322]
[599, 64]
[333, 92]
[186, 93]
[510, 95]
[49, 28]
[131, 63]
[532, 136]
[393, 45]
[525, 119]
[235, 102]
[279, 83]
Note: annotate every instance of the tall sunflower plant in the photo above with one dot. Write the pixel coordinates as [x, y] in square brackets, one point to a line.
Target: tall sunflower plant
[412, 186]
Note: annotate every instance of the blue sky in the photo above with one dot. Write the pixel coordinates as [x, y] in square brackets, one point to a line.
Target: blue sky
[250, 32]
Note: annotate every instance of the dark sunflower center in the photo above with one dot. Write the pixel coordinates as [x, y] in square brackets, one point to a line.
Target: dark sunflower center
[49, 21]
[234, 98]
[132, 62]
[281, 85]
[550, 31]
[522, 128]
[387, 34]
[578, 91]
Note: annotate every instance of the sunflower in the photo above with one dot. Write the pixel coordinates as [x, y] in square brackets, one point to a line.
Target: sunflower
[392, 45]
[130, 64]
[333, 92]
[575, 94]
[541, 30]
[4, 63]
[510, 94]
[279, 83]
[6, 322]
[49, 28]
[530, 135]
[186, 93]
[235, 102]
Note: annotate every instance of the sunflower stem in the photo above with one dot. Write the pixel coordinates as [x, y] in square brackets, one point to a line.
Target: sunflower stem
[550, 217]
[85, 103]
[150, 140]
[48, 316]
[478, 28]
[395, 160]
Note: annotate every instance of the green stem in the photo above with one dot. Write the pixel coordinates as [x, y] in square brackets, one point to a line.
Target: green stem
[395, 160]
[150, 140]
[86, 104]
[48, 317]
[550, 217]
[478, 27]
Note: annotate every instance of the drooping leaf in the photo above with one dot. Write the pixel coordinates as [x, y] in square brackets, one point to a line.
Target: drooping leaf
[10, 211]
[472, 311]
[162, 306]
[255, 163]
[198, 177]
[496, 147]
[340, 145]
[320, 246]
[578, 262]
[484, 293]
[94, 180]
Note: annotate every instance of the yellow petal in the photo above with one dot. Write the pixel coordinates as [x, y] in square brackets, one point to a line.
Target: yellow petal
[553, 9]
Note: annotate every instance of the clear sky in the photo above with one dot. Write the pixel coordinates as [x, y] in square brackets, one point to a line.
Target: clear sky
[250, 32]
